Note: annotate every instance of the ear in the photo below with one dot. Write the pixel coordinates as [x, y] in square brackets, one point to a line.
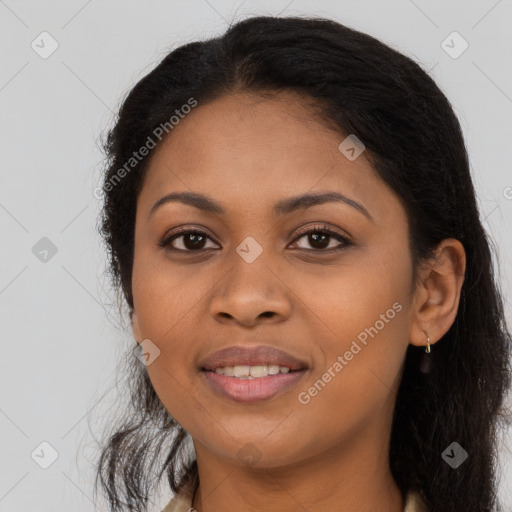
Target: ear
[136, 327]
[437, 293]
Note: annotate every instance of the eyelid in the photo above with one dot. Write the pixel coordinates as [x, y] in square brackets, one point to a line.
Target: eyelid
[319, 226]
[187, 229]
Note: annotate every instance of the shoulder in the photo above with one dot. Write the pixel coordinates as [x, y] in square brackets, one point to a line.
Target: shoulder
[414, 502]
[183, 498]
[181, 502]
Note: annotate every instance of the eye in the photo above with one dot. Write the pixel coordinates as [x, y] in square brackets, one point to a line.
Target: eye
[320, 238]
[192, 240]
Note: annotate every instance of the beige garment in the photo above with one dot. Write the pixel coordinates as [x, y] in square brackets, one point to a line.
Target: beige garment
[183, 503]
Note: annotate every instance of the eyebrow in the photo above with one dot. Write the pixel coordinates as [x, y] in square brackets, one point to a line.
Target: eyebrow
[283, 207]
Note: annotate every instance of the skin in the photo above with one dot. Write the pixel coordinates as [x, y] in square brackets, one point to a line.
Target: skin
[247, 153]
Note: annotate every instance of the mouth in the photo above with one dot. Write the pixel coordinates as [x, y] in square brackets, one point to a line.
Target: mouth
[249, 374]
[252, 372]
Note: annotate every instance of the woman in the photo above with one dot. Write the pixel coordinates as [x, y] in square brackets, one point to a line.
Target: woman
[291, 220]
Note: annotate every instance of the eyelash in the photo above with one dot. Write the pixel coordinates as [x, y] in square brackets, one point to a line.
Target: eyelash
[317, 229]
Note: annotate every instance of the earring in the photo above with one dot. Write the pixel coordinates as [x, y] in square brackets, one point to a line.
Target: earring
[426, 361]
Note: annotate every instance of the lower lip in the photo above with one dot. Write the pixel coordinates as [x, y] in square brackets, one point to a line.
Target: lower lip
[252, 390]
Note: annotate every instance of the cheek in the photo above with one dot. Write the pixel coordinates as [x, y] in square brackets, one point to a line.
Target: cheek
[171, 303]
[365, 298]
[167, 298]
[363, 336]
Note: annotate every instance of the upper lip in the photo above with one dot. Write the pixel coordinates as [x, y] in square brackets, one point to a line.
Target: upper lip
[251, 356]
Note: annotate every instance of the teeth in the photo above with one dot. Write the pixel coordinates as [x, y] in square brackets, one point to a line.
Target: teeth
[258, 371]
[228, 370]
[273, 369]
[242, 371]
[252, 372]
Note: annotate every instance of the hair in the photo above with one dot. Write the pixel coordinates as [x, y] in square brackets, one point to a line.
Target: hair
[414, 142]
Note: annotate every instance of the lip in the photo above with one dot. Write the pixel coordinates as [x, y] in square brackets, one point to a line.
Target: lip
[251, 356]
[255, 390]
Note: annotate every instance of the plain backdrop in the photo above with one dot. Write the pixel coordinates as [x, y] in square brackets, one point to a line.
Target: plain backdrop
[62, 337]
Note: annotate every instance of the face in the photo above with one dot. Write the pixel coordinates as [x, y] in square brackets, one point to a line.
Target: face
[247, 274]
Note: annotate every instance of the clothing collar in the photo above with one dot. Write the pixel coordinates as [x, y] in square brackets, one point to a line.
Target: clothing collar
[182, 502]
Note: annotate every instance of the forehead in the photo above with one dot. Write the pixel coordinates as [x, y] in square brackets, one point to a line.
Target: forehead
[249, 149]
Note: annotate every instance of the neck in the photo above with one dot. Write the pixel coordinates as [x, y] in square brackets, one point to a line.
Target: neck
[353, 477]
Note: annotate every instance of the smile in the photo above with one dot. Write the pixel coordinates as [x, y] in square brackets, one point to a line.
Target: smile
[251, 372]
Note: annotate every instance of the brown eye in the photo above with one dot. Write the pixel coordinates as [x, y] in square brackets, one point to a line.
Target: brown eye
[187, 241]
[321, 238]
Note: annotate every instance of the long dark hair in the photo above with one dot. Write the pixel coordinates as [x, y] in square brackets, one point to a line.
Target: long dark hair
[414, 141]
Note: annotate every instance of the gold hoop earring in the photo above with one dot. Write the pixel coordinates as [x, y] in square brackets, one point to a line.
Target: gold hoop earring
[427, 350]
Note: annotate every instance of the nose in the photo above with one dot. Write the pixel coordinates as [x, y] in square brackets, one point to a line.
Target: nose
[249, 294]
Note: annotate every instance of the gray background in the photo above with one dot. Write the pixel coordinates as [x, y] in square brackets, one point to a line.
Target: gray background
[62, 337]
